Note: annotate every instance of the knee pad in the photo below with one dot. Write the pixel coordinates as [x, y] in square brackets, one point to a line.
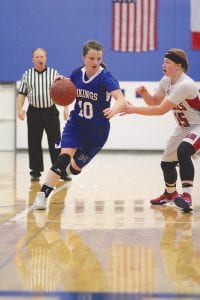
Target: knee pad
[169, 171]
[74, 171]
[185, 151]
[61, 163]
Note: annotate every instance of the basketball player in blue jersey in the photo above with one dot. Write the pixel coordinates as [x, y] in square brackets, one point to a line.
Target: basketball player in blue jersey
[88, 127]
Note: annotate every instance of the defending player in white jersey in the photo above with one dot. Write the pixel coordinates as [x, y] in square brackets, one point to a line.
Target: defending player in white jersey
[179, 93]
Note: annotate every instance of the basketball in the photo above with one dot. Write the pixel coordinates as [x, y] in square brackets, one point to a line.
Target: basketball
[63, 91]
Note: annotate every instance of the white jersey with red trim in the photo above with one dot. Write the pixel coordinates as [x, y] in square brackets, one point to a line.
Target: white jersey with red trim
[185, 94]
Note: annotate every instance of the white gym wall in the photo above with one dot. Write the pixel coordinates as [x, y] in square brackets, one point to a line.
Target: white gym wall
[131, 132]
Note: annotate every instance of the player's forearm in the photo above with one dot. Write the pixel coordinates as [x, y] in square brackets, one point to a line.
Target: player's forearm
[119, 105]
[148, 111]
[148, 98]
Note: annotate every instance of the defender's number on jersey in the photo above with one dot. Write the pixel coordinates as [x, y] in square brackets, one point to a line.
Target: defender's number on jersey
[182, 120]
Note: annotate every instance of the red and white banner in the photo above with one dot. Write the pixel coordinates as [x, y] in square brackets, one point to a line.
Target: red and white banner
[195, 23]
[134, 27]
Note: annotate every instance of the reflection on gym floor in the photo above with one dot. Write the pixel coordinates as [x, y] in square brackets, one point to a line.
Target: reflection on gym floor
[99, 237]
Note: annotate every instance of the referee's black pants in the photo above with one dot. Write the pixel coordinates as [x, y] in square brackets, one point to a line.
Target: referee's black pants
[38, 121]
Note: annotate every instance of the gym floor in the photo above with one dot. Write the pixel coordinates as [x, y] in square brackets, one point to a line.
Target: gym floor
[99, 237]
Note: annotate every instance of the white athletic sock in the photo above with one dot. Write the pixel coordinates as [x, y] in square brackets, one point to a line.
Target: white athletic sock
[187, 190]
[170, 189]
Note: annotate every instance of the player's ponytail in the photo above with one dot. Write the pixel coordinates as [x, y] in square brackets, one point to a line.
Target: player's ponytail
[104, 65]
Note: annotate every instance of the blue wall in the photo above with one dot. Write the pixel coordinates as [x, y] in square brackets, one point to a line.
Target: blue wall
[63, 26]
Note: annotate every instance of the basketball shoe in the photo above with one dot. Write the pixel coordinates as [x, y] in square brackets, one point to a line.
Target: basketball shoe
[66, 177]
[40, 201]
[164, 198]
[184, 201]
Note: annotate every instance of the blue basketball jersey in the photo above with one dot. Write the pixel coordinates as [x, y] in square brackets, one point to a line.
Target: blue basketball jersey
[87, 128]
[93, 94]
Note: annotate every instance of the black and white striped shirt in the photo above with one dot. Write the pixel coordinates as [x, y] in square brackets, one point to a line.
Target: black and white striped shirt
[35, 85]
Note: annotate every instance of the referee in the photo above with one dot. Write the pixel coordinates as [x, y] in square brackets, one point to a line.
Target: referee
[42, 113]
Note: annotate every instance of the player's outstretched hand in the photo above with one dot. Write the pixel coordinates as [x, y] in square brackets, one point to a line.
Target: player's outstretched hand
[128, 109]
[141, 90]
[60, 77]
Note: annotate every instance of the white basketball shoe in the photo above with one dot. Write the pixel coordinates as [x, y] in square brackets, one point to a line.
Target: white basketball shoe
[40, 201]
